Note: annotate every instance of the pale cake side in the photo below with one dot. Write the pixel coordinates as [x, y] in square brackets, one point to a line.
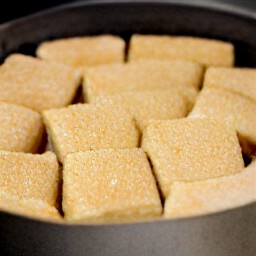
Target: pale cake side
[21, 128]
[141, 76]
[148, 105]
[231, 109]
[191, 149]
[208, 52]
[84, 127]
[28, 207]
[29, 176]
[240, 80]
[36, 84]
[84, 51]
[211, 196]
[109, 186]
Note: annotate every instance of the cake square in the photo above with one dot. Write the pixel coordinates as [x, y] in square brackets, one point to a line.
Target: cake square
[191, 149]
[28, 207]
[85, 127]
[142, 76]
[207, 52]
[231, 109]
[211, 196]
[21, 128]
[84, 51]
[36, 84]
[240, 80]
[149, 105]
[108, 186]
[29, 176]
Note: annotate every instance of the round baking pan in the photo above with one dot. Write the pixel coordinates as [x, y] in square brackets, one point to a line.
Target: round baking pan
[229, 233]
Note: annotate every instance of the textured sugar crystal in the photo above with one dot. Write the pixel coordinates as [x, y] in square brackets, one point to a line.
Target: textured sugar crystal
[86, 127]
[204, 51]
[21, 128]
[36, 84]
[109, 186]
[191, 149]
[210, 196]
[85, 51]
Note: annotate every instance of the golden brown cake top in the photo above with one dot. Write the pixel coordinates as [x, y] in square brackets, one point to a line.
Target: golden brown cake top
[85, 127]
[191, 149]
[209, 196]
[84, 51]
[29, 176]
[109, 186]
[149, 105]
[28, 207]
[20, 128]
[37, 84]
[141, 76]
[240, 80]
[230, 108]
[208, 52]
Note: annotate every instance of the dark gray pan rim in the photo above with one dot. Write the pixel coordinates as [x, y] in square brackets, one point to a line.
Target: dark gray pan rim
[221, 8]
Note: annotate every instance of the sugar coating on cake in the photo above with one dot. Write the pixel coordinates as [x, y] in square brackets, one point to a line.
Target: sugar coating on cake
[230, 108]
[149, 105]
[142, 76]
[196, 161]
[191, 149]
[84, 127]
[240, 80]
[29, 176]
[85, 51]
[204, 51]
[28, 207]
[109, 186]
[21, 128]
[36, 84]
[210, 196]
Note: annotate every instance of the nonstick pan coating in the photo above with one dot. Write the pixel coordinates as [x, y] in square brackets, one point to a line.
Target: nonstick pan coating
[229, 233]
